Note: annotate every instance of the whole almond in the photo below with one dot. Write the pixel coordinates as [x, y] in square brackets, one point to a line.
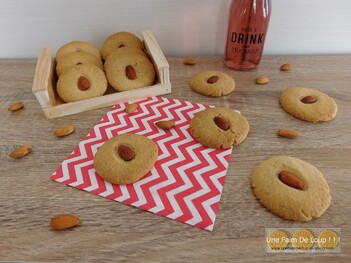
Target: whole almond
[286, 67]
[64, 131]
[20, 151]
[212, 79]
[309, 99]
[83, 83]
[288, 133]
[291, 180]
[190, 61]
[15, 106]
[222, 123]
[130, 72]
[130, 108]
[262, 80]
[63, 221]
[165, 124]
[126, 153]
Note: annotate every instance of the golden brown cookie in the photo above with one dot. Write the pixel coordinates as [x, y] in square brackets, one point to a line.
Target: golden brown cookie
[77, 46]
[291, 188]
[212, 83]
[122, 51]
[219, 128]
[119, 40]
[125, 158]
[76, 58]
[308, 104]
[81, 82]
[130, 71]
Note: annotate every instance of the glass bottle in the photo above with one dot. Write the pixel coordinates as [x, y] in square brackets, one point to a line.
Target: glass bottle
[247, 28]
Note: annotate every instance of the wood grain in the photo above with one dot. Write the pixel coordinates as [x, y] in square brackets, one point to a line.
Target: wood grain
[113, 232]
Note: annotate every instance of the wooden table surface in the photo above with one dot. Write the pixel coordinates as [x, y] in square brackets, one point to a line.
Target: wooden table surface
[114, 232]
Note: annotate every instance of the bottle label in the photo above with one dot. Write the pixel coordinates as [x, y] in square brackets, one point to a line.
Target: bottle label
[247, 39]
[252, 51]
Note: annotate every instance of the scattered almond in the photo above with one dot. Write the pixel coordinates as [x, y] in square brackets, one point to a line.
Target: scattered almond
[15, 106]
[291, 180]
[83, 83]
[222, 123]
[64, 131]
[288, 133]
[262, 80]
[20, 151]
[286, 67]
[130, 108]
[190, 61]
[309, 99]
[212, 79]
[130, 72]
[64, 221]
[126, 153]
[165, 124]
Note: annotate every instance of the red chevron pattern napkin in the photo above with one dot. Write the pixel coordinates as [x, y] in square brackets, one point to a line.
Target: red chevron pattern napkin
[187, 180]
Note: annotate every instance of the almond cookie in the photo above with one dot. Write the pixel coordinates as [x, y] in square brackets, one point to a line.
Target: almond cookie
[291, 188]
[122, 51]
[119, 40]
[219, 128]
[76, 58]
[125, 158]
[81, 82]
[212, 83]
[77, 46]
[308, 104]
[129, 71]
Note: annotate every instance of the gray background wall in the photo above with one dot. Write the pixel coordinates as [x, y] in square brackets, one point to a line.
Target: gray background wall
[182, 27]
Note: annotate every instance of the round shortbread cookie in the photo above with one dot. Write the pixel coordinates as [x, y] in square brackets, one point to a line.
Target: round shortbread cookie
[308, 104]
[76, 58]
[71, 87]
[204, 128]
[121, 52]
[119, 78]
[114, 169]
[119, 40]
[212, 83]
[287, 201]
[77, 46]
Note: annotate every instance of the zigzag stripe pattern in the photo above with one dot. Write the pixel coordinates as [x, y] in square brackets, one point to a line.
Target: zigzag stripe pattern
[187, 180]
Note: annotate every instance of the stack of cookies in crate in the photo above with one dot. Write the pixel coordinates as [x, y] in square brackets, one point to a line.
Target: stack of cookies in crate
[83, 75]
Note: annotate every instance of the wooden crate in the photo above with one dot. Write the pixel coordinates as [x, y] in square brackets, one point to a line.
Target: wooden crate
[44, 84]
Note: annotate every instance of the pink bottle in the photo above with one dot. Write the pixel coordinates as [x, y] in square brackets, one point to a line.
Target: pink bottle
[247, 28]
